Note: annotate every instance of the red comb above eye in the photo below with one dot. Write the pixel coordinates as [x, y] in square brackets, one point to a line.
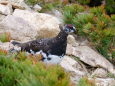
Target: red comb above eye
[70, 25]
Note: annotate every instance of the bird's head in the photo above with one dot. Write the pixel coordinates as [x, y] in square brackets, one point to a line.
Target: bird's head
[69, 28]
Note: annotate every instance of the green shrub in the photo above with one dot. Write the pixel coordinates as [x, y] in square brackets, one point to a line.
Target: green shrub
[70, 12]
[86, 82]
[113, 17]
[83, 1]
[74, 8]
[3, 52]
[33, 2]
[113, 54]
[96, 25]
[110, 6]
[51, 5]
[23, 72]
[5, 37]
[97, 11]
[46, 5]
[82, 22]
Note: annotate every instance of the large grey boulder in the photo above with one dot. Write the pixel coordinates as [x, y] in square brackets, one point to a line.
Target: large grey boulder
[26, 25]
[90, 56]
[45, 24]
[77, 70]
[20, 30]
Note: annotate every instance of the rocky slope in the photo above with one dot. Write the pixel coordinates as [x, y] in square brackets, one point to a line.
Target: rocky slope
[26, 24]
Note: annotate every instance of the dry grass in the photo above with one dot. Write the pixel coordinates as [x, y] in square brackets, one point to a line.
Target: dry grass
[5, 37]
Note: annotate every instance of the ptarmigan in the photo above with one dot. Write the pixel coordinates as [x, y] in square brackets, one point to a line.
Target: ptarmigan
[52, 49]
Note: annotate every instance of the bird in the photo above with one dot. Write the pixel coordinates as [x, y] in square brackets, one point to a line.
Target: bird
[52, 49]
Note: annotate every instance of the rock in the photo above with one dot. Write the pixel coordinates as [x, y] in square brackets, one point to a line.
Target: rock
[91, 57]
[2, 17]
[6, 9]
[100, 73]
[70, 49]
[16, 4]
[81, 40]
[26, 25]
[85, 42]
[105, 82]
[45, 24]
[76, 69]
[37, 7]
[57, 14]
[20, 29]
[71, 40]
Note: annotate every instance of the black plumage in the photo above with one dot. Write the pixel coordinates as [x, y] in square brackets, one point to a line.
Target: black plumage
[53, 46]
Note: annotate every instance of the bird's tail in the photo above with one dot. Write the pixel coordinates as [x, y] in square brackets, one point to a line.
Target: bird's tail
[12, 50]
[15, 43]
[16, 47]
